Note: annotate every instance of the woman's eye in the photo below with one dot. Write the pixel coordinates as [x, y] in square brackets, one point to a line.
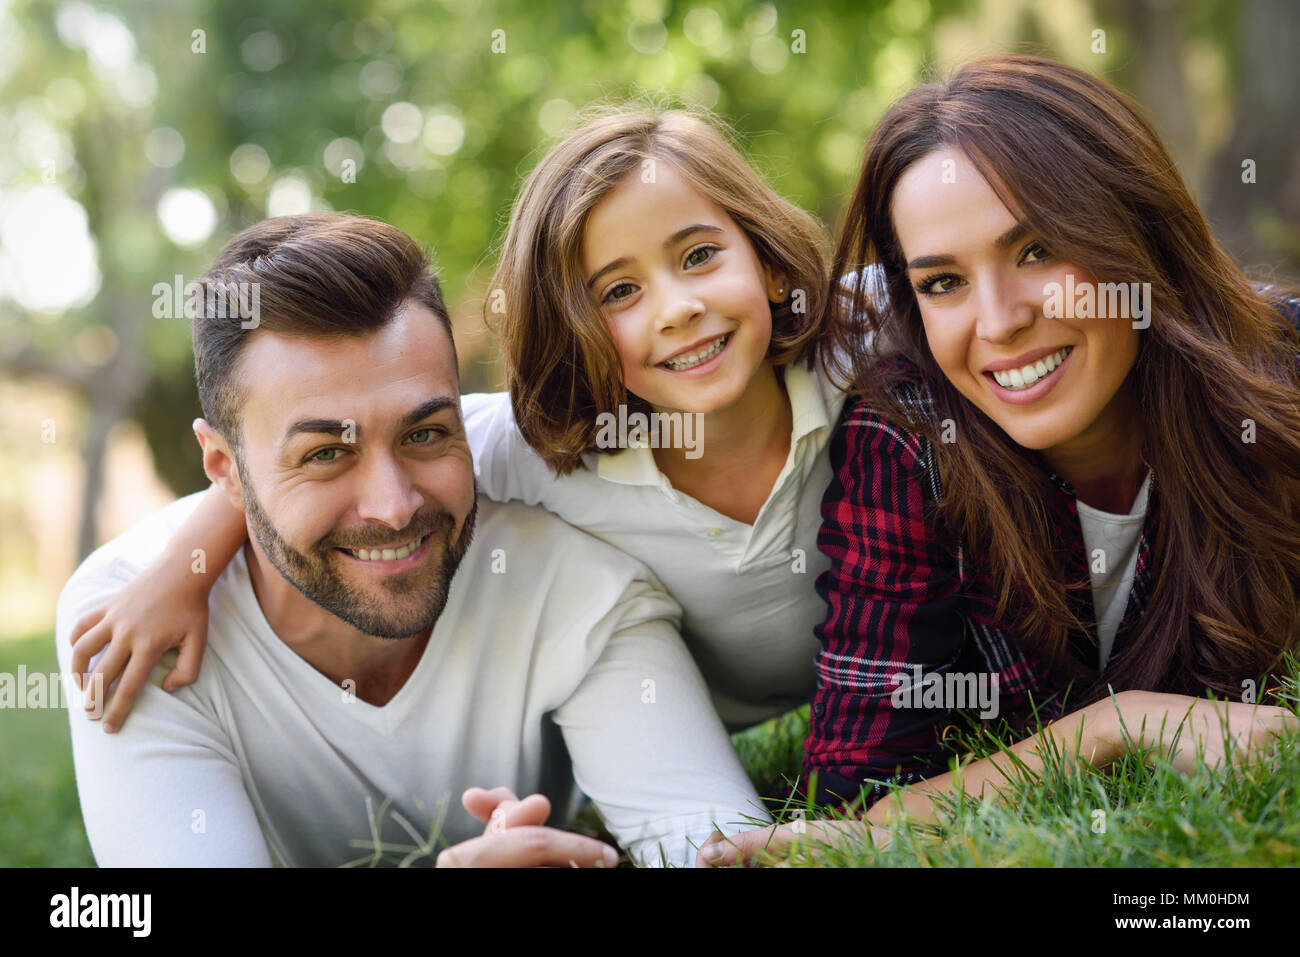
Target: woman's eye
[700, 255]
[613, 295]
[938, 285]
[1042, 253]
[325, 455]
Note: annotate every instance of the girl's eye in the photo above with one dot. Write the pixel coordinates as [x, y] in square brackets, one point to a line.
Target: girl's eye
[325, 455]
[1042, 256]
[700, 255]
[613, 295]
[939, 285]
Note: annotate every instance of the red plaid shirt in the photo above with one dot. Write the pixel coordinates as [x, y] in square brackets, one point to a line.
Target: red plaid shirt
[900, 593]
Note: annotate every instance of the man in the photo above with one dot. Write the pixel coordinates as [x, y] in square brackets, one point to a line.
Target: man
[384, 640]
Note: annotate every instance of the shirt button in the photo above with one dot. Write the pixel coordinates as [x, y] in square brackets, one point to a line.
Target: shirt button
[819, 709]
[713, 532]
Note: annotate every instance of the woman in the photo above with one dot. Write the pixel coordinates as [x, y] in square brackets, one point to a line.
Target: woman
[1081, 474]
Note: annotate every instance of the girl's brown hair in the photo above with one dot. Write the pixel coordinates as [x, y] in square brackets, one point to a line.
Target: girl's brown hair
[1083, 170]
[562, 368]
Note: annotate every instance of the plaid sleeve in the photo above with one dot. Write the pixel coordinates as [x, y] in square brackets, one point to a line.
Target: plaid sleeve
[892, 595]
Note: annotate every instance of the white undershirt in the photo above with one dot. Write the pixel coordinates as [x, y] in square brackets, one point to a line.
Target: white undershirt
[552, 646]
[1111, 544]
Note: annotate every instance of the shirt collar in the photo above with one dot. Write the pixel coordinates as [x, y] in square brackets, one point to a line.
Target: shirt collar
[636, 466]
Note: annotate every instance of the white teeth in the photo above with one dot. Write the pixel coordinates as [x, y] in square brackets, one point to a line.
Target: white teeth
[691, 360]
[385, 554]
[1024, 377]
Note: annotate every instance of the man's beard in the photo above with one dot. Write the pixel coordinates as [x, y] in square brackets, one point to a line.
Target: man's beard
[316, 578]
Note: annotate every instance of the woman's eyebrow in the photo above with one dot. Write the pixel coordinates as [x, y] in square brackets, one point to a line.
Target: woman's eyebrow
[1012, 236]
[671, 241]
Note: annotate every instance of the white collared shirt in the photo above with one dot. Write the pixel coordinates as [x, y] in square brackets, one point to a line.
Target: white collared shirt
[539, 674]
[749, 605]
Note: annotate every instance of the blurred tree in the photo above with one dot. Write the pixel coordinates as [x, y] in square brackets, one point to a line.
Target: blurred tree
[187, 122]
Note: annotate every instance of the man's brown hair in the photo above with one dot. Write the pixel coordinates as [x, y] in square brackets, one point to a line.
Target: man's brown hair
[321, 274]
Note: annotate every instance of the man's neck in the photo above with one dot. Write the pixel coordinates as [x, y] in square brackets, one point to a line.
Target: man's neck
[378, 667]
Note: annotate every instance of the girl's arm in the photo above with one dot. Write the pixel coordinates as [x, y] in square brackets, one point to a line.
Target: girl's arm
[166, 606]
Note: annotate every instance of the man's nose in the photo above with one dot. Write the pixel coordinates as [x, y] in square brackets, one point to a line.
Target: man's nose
[387, 494]
[1005, 308]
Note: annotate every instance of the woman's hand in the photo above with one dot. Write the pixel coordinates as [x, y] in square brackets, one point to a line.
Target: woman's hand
[1179, 725]
[762, 844]
[156, 612]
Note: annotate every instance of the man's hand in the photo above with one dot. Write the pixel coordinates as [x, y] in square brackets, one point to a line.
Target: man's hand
[515, 837]
[762, 844]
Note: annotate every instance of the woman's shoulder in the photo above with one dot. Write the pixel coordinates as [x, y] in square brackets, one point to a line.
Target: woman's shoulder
[895, 428]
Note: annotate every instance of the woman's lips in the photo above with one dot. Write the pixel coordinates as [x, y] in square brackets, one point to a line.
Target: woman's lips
[1035, 391]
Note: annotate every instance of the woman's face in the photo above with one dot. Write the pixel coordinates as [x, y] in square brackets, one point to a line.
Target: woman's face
[983, 285]
[687, 300]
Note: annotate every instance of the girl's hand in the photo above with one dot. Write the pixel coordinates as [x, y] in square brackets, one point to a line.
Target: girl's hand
[1179, 726]
[154, 613]
[761, 844]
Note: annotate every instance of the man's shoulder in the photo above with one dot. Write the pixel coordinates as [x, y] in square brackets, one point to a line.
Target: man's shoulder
[131, 551]
[531, 530]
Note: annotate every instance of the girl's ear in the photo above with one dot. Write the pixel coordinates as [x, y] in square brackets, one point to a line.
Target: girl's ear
[778, 287]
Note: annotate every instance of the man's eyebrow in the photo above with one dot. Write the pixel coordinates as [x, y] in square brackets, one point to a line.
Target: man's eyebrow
[670, 242]
[1012, 236]
[337, 426]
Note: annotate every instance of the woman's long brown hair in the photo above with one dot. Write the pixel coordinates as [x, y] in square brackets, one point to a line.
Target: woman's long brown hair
[1084, 171]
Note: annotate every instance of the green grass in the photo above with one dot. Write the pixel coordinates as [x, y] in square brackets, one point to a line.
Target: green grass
[1137, 812]
[1239, 816]
[40, 816]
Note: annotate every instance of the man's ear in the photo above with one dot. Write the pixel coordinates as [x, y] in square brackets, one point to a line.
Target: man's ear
[219, 462]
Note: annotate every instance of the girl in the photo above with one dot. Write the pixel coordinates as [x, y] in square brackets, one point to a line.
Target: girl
[646, 269]
[1081, 473]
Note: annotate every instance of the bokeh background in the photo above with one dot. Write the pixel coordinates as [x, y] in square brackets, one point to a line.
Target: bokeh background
[137, 137]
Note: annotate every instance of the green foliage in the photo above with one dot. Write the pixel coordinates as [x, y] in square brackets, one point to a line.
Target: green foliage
[40, 815]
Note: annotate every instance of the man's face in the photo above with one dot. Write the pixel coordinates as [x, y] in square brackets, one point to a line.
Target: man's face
[355, 470]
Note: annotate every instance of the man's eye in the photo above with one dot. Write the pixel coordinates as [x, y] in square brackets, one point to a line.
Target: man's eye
[426, 436]
[938, 285]
[325, 455]
[1042, 253]
[700, 255]
[613, 294]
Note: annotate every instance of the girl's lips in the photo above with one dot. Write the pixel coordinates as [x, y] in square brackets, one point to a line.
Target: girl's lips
[1036, 391]
[413, 560]
[704, 368]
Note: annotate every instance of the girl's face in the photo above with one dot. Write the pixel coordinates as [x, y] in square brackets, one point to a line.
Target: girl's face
[982, 283]
[686, 297]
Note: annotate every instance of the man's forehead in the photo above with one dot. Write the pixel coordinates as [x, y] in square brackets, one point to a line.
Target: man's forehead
[377, 376]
